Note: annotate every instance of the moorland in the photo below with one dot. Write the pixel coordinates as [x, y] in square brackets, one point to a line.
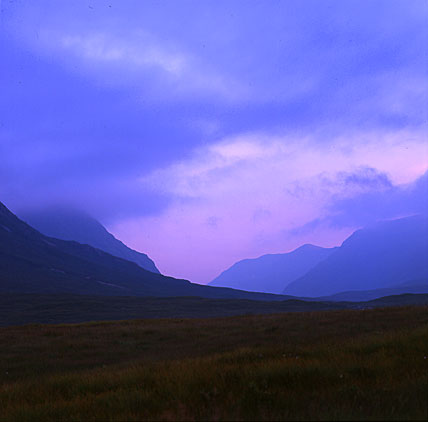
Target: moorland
[332, 365]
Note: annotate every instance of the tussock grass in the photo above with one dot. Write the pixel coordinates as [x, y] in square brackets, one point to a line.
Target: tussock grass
[339, 365]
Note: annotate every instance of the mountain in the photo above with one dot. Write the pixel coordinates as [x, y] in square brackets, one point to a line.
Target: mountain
[270, 273]
[376, 257]
[413, 287]
[31, 262]
[67, 224]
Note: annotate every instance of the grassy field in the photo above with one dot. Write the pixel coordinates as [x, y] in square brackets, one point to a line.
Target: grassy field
[22, 309]
[340, 365]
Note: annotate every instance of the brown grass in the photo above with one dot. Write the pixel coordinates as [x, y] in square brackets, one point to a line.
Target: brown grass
[323, 365]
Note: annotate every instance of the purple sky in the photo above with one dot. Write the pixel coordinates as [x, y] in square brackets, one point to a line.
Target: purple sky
[204, 132]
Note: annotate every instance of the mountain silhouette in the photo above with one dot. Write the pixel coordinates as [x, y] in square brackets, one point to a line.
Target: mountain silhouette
[31, 262]
[67, 224]
[412, 287]
[270, 273]
[376, 257]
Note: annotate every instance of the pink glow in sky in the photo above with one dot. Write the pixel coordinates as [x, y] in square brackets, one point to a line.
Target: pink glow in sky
[248, 195]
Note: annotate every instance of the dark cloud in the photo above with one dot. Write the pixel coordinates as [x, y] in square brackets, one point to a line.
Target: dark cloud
[375, 205]
[364, 178]
[372, 206]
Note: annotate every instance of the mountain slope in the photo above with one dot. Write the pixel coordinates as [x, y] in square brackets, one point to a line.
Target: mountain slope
[413, 287]
[270, 273]
[68, 224]
[33, 263]
[376, 257]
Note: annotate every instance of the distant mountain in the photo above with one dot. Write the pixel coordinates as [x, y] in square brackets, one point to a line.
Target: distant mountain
[74, 225]
[413, 287]
[270, 273]
[376, 257]
[31, 262]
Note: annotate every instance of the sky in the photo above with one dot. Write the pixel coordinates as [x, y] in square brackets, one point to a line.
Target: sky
[205, 132]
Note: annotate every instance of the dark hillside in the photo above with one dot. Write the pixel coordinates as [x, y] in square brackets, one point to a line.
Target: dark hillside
[68, 224]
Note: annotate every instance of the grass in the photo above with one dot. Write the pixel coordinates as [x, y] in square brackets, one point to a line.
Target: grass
[21, 309]
[339, 365]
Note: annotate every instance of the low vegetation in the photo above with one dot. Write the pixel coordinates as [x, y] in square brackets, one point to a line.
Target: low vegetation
[21, 309]
[340, 365]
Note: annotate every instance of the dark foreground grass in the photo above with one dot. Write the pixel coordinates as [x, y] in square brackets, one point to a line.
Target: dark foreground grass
[341, 365]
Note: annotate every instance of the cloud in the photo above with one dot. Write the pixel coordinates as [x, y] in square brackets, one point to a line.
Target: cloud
[365, 177]
[245, 162]
[141, 54]
[340, 60]
[247, 195]
[158, 69]
[394, 201]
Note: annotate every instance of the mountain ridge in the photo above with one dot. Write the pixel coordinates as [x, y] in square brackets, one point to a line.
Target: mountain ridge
[71, 224]
[271, 272]
[378, 256]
